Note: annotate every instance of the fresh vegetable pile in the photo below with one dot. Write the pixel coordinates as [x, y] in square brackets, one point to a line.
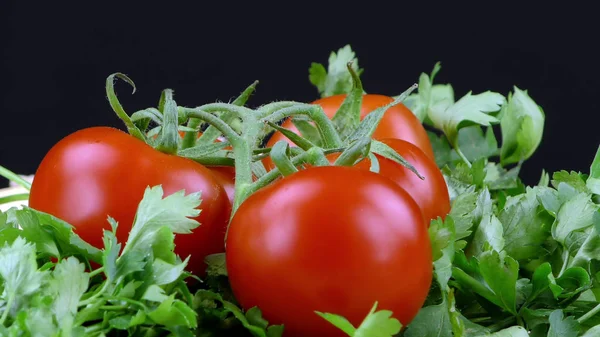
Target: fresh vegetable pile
[355, 215]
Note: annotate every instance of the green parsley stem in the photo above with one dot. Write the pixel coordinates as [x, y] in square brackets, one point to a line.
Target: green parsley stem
[95, 296]
[462, 156]
[9, 304]
[589, 314]
[501, 324]
[11, 176]
[14, 197]
[480, 319]
[96, 272]
[128, 300]
[477, 287]
[113, 307]
[565, 262]
[96, 328]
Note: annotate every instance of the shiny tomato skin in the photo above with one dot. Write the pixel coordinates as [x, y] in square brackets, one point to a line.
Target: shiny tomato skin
[430, 194]
[397, 122]
[101, 171]
[331, 239]
[225, 176]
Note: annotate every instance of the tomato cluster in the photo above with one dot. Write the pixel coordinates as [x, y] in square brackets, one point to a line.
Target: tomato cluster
[326, 238]
[337, 238]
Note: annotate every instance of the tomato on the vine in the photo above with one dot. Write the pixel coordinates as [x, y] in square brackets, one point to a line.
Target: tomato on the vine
[225, 176]
[98, 172]
[431, 194]
[397, 122]
[332, 239]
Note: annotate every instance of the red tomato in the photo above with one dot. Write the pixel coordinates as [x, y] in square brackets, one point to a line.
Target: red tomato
[332, 239]
[225, 175]
[102, 171]
[397, 122]
[430, 194]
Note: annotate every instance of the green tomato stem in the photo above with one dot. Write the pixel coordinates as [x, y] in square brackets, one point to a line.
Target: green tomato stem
[358, 149]
[118, 108]
[211, 133]
[280, 156]
[11, 176]
[189, 139]
[270, 108]
[325, 126]
[374, 163]
[168, 139]
[238, 111]
[300, 141]
[241, 145]
[347, 118]
[315, 156]
[245, 95]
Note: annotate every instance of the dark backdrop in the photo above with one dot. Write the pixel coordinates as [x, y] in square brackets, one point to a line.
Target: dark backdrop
[55, 57]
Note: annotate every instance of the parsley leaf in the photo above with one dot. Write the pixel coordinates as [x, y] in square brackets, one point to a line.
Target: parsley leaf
[575, 214]
[543, 280]
[432, 321]
[174, 211]
[69, 282]
[572, 178]
[561, 326]
[57, 237]
[501, 275]
[513, 331]
[467, 110]
[525, 228]
[429, 94]
[336, 79]
[20, 275]
[522, 125]
[489, 233]
[475, 144]
[593, 181]
[377, 323]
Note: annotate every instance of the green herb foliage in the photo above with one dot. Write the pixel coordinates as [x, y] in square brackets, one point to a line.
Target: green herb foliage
[509, 259]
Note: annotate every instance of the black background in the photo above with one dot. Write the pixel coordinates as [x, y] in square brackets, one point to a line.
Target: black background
[55, 57]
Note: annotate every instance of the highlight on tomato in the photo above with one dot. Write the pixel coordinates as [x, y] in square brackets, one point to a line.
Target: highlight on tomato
[98, 172]
[330, 239]
[430, 193]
